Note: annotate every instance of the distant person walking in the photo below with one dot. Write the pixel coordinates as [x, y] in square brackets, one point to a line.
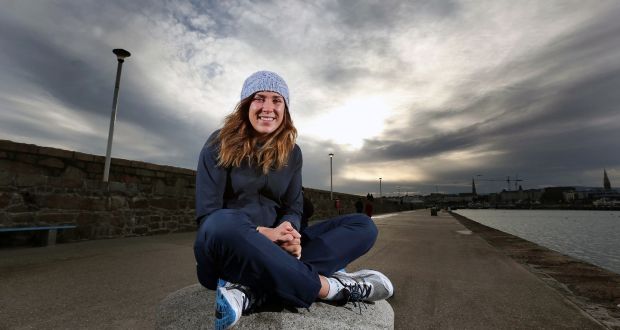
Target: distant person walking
[368, 207]
[359, 206]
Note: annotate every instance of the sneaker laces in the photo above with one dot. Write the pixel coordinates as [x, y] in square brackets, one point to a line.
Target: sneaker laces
[250, 299]
[356, 292]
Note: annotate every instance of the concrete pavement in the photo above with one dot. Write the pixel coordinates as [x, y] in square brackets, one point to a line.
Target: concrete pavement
[103, 284]
[444, 278]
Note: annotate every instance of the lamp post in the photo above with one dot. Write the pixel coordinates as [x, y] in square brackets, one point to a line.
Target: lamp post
[379, 187]
[121, 54]
[331, 181]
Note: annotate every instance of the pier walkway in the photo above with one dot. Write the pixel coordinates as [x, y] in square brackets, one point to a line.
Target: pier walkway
[445, 277]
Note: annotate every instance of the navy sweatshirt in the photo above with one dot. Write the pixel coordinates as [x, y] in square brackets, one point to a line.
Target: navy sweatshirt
[268, 200]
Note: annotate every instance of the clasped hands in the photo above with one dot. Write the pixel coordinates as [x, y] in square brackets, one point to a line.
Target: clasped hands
[285, 236]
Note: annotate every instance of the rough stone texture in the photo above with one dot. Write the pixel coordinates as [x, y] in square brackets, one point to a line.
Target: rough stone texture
[193, 308]
[65, 187]
[48, 186]
[324, 207]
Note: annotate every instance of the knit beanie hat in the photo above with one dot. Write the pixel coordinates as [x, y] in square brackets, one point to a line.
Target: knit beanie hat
[265, 81]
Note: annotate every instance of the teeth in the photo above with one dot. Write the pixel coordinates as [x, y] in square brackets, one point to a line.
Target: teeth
[266, 118]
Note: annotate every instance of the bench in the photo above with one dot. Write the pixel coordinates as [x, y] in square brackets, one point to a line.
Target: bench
[51, 231]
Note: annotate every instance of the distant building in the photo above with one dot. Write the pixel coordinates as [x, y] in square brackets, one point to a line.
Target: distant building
[520, 196]
[455, 199]
[556, 195]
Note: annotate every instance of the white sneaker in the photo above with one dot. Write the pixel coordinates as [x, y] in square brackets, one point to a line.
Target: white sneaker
[230, 302]
[365, 285]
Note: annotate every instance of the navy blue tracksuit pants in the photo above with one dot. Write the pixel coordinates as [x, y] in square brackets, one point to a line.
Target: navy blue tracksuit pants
[229, 247]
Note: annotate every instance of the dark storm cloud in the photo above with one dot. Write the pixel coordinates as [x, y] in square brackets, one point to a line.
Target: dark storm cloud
[554, 118]
[544, 114]
[223, 22]
[63, 74]
[381, 15]
[87, 84]
[366, 29]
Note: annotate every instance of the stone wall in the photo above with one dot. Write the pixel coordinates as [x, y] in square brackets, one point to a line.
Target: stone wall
[324, 207]
[47, 186]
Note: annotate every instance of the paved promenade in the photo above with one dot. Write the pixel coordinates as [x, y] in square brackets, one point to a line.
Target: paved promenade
[444, 278]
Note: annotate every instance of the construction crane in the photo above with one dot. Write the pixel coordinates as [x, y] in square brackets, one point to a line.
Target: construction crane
[508, 180]
[516, 181]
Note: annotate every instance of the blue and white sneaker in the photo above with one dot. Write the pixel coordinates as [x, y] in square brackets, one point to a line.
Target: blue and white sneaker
[230, 303]
[364, 285]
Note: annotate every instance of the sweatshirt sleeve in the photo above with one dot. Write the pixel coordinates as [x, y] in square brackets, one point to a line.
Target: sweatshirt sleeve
[210, 181]
[293, 198]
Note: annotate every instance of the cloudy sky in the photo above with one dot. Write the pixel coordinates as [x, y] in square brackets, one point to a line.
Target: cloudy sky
[424, 94]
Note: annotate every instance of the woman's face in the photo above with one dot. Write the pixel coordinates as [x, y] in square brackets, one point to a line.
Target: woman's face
[266, 112]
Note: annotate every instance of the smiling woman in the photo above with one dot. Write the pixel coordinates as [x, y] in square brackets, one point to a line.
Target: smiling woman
[249, 206]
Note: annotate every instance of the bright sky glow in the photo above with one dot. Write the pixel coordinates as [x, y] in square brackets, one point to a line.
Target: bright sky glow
[359, 117]
[423, 93]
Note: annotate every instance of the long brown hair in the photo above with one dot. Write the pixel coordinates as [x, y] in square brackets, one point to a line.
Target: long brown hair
[238, 140]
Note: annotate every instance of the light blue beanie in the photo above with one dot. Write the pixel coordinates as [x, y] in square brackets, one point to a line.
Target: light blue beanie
[265, 81]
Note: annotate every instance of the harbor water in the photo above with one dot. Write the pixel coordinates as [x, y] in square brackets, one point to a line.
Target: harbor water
[591, 236]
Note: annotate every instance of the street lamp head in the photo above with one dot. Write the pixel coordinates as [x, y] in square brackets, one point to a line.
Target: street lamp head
[121, 54]
[331, 155]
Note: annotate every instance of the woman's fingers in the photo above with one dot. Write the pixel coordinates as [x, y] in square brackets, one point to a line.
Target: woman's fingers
[288, 228]
[285, 238]
[293, 249]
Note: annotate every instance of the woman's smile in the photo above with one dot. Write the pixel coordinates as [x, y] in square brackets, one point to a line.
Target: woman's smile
[266, 112]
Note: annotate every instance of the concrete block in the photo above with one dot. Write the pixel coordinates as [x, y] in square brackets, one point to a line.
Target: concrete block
[138, 203]
[45, 217]
[30, 180]
[164, 203]
[151, 167]
[19, 167]
[26, 158]
[52, 162]
[73, 177]
[87, 218]
[193, 308]
[117, 187]
[4, 220]
[142, 172]
[120, 162]
[24, 218]
[117, 202]
[94, 185]
[94, 168]
[5, 199]
[83, 156]
[6, 178]
[47, 151]
[159, 188]
[19, 147]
